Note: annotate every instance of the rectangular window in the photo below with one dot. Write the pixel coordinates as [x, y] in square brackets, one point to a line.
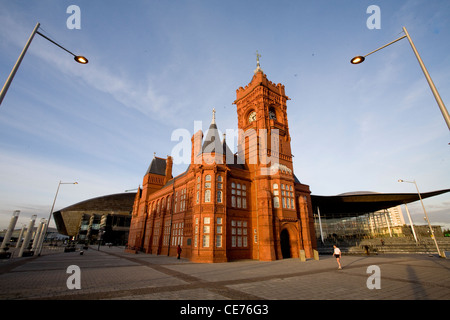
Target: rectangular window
[239, 195]
[196, 233]
[219, 241]
[206, 241]
[239, 233]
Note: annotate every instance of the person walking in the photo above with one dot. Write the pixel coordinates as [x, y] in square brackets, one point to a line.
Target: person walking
[337, 255]
[179, 251]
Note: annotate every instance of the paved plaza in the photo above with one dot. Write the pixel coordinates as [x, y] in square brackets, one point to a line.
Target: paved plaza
[111, 274]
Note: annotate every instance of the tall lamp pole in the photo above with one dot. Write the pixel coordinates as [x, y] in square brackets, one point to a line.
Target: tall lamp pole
[426, 216]
[79, 59]
[444, 111]
[39, 250]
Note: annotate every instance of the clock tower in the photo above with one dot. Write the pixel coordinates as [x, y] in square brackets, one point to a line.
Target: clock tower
[281, 208]
[262, 120]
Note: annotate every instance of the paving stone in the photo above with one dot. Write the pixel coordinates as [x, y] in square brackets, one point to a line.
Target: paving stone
[113, 274]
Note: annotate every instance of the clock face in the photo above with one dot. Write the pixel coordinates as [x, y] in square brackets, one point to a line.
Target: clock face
[272, 115]
[252, 117]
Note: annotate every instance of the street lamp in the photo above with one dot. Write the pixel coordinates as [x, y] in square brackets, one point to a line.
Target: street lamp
[39, 250]
[426, 216]
[79, 59]
[445, 114]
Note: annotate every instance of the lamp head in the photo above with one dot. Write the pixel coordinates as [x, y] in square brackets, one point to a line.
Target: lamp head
[357, 60]
[81, 59]
[400, 180]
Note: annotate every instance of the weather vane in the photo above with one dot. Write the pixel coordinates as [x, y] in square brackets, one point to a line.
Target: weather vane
[258, 67]
[257, 58]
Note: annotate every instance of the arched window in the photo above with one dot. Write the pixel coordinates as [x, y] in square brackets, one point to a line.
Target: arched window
[219, 189]
[272, 114]
[276, 202]
[207, 188]
[219, 196]
[207, 195]
[183, 200]
[175, 207]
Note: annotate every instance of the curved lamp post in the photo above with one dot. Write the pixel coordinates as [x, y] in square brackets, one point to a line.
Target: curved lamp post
[79, 59]
[445, 114]
[426, 216]
[39, 250]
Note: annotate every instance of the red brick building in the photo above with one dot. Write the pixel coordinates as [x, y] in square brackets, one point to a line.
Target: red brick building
[226, 206]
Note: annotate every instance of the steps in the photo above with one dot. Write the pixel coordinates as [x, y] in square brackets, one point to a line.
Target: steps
[400, 245]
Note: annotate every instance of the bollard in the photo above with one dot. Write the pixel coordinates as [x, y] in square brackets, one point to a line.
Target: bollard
[302, 255]
[316, 255]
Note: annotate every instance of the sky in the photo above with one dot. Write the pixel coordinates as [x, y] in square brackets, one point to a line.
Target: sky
[158, 66]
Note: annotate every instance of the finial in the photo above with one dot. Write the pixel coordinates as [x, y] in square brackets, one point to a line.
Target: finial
[154, 155]
[258, 67]
[214, 116]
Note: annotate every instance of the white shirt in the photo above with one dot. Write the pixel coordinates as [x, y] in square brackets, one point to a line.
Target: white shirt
[337, 251]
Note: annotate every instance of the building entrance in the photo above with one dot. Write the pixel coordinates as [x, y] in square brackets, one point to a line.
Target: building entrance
[285, 244]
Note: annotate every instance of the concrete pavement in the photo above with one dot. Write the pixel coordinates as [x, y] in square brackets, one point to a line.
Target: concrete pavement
[112, 274]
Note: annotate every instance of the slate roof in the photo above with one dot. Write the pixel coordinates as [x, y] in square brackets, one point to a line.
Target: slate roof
[157, 166]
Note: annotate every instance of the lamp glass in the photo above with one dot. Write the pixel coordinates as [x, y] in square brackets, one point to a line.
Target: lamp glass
[357, 59]
[81, 59]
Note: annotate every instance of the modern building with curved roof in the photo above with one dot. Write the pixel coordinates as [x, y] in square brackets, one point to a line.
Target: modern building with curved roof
[365, 214]
[361, 202]
[108, 215]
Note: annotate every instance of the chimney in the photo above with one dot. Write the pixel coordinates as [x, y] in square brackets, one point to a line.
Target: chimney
[169, 163]
[196, 149]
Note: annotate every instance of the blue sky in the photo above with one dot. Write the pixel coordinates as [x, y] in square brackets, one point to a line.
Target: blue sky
[158, 66]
